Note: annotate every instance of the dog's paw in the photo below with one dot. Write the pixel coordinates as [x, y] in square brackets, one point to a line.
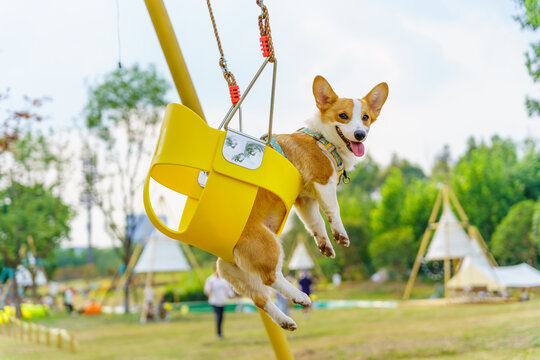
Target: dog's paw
[302, 299]
[326, 248]
[288, 324]
[342, 239]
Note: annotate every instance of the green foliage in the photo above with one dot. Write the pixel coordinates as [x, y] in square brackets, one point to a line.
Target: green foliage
[408, 171]
[122, 94]
[365, 178]
[70, 272]
[387, 215]
[31, 211]
[394, 249]
[513, 241]
[105, 260]
[417, 206]
[442, 167]
[530, 19]
[485, 181]
[528, 170]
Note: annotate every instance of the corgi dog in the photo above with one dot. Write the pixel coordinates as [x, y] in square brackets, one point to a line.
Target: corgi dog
[258, 254]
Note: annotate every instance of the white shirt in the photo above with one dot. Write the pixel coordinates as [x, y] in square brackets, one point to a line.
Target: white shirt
[68, 296]
[218, 290]
[148, 294]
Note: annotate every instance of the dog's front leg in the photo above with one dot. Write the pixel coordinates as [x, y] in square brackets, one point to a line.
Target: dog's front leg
[307, 209]
[327, 197]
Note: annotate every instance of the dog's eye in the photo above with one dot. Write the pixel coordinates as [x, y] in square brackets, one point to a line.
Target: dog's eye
[365, 117]
[343, 116]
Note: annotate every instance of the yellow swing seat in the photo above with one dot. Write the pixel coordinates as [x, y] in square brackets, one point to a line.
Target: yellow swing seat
[217, 207]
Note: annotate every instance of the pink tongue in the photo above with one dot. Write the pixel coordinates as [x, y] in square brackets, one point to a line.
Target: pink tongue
[357, 148]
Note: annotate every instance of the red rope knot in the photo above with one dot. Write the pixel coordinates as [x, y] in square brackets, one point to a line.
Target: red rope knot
[265, 46]
[234, 90]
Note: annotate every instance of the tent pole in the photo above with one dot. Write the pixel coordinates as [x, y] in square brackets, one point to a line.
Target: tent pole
[458, 206]
[423, 245]
[417, 261]
[446, 276]
[193, 262]
[125, 275]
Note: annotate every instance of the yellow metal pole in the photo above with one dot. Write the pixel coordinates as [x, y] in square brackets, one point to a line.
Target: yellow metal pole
[188, 95]
[277, 337]
[173, 55]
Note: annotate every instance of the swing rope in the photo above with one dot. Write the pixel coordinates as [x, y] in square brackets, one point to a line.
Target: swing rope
[267, 46]
[229, 77]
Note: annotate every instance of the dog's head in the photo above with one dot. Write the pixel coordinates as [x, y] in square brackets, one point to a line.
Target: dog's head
[345, 119]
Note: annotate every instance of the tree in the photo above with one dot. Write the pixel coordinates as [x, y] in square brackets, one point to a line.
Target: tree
[408, 171]
[34, 218]
[17, 121]
[513, 241]
[528, 170]
[417, 206]
[30, 212]
[442, 167]
[394, 249]
[530, 20]
[387, 214]
[123, 111]
[485, 181]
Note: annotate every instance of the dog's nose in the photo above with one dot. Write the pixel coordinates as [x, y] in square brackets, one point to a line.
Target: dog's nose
[359, 135]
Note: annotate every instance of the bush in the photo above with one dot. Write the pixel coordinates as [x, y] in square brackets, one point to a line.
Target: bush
[189, 294]
[70, 272]
[394, 249]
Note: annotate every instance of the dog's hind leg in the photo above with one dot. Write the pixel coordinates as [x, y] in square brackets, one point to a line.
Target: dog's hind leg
[250, 284]
[288, 290]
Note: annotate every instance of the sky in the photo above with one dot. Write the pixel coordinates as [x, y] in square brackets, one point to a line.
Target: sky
[455, 68]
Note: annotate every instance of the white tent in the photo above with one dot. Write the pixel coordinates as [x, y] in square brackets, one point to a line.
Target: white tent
[474, 276]
[521, 276]
[161, 254]
[450, 240]
[24, 277]
[300, 259]
[477, 257]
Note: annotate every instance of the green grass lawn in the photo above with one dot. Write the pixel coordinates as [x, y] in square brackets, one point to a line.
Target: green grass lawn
[502, 331]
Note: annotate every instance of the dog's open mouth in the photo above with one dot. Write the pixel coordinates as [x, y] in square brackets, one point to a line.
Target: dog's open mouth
[357, 148]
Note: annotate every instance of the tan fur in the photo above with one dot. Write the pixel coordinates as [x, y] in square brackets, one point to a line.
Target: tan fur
[331, 113]
[258, 253]
[303, 152]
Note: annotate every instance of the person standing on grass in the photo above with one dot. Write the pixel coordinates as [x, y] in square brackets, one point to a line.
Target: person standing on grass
[68, 300]
[148, 294]
[306, 284]
[218, 291]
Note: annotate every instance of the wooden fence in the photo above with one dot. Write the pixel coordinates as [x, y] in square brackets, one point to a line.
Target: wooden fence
[36, 333]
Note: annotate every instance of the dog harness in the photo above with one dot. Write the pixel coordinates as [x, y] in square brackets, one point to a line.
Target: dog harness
[275, 145]
[330, 151]
[326, 146]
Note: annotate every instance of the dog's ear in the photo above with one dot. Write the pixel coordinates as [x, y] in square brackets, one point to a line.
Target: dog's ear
[324, 95]
[377, 97]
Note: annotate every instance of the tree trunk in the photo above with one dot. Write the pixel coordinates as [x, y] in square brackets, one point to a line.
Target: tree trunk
[126, 295]
[16, 298]
[33, 273]
[127, 257]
